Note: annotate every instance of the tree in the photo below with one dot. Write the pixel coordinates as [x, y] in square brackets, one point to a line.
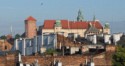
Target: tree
[3, 37]
[119, 57]
[17, 36]
[50, 51]
[122, 41]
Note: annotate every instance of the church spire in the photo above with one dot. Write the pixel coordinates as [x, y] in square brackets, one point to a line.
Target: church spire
[80, 16]
[94, 18]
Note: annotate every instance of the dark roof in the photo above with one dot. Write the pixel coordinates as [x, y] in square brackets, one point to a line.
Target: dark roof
[92, 29]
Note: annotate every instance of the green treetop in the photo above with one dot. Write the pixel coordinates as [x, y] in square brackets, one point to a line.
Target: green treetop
[119, 57]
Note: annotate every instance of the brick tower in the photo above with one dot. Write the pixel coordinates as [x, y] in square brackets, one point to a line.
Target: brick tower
[30, 27]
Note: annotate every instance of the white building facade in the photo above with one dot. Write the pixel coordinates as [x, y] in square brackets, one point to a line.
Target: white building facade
[30, 46]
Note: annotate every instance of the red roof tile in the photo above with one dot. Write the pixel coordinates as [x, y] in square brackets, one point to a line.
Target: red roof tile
[49, 24]
[30, 18]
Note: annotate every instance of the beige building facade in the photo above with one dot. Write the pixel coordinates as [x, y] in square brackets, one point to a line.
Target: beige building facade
[80, 27]
[66, 27]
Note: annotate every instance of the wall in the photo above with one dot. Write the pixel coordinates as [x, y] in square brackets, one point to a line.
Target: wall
[30, 29]
[2, 61]
[107, 38]
[106, 31]
[29, 46]
[5, 45]
[110, 48]
[76, 60]
[103, 59]
[8, 60]
[66, 31]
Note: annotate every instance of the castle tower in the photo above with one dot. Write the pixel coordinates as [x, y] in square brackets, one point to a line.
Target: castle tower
[80, 16]
[30, 27]
[58, 26]
[106, 29]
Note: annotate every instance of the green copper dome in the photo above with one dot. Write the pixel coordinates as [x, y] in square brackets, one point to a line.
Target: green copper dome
[58, 23]
[106, 25]
[80, 16]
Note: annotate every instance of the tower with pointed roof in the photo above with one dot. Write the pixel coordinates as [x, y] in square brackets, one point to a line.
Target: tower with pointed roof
[30, 27]
[80, 16]
[94, 18]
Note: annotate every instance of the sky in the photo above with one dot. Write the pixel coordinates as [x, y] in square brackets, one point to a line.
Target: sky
[14, 12]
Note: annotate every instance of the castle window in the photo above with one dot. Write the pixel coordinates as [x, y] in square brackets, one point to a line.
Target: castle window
[5, 47]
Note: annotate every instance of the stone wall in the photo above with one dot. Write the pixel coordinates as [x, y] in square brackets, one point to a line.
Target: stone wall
[2, 61]
[8, 60]
[103, 59]
[110, 48]
[76, 60]
[5, 45]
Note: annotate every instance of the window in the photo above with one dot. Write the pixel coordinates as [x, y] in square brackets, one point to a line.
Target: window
[5, 47]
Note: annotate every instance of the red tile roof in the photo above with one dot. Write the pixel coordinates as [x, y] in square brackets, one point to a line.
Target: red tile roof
[30, 18]
[49, 24]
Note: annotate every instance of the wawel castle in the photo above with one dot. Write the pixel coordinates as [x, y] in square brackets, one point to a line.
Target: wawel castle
[67, 28]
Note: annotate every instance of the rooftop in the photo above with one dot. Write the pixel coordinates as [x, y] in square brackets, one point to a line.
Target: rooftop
[50, 24]
[30, 18]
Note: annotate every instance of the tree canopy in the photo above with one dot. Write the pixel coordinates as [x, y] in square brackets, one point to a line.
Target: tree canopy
[119, 57]
[122, 41]
[17, 36]
[50, 51]
[3, 37]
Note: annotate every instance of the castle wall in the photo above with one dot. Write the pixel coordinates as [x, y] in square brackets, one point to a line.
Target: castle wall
[66, 31]
[103, 59]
